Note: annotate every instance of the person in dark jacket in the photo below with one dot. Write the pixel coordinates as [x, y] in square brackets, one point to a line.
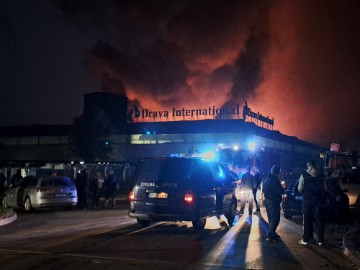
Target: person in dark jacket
[258, 180]
[312, 184]
[16, 177]
[3, 182]
[111, 185]
[81, 183]
[273, 195]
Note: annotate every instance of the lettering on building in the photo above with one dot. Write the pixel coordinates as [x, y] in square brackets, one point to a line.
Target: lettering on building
[257, 118]
[211, 112]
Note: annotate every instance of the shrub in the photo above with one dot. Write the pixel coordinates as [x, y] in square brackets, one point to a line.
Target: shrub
[6, 212]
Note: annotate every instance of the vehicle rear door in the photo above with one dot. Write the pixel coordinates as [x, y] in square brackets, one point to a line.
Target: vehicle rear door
[160, 185]
[12, 195]
[203, 183]
[225, 186]
[19, 191]
[62, 188]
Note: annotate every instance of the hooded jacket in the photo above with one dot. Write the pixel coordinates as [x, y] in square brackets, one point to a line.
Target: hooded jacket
[313, 188]
[272, 188]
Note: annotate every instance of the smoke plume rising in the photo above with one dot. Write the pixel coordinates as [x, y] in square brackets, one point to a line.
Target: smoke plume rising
[296, 61]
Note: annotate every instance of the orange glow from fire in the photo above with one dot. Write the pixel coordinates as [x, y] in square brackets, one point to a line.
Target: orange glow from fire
[291, 60]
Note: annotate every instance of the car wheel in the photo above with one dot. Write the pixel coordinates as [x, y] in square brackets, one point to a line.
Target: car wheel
[199, 224]
[231, 214]
[4, 202]
[27, 204]
[143, 222]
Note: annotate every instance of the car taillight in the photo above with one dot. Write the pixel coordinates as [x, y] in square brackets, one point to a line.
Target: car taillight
[285, 197]
[43, 190]
[189, 198]
[132, 196]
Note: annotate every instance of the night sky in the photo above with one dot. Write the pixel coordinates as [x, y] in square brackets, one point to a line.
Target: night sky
[297, 61]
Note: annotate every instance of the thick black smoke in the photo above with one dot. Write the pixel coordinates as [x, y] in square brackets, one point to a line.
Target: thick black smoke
[296, 61]
[171, 52]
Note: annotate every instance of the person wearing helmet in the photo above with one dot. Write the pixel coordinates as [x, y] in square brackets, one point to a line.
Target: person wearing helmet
[273, 197]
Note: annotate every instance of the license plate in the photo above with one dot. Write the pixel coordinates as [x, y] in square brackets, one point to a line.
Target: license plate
[60, 195]
[161, 195]
[298, 198]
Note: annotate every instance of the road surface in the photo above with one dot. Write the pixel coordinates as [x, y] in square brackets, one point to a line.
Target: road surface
[108, 239]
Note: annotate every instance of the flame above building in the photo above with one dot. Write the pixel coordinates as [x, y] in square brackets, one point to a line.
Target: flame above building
[282, 56]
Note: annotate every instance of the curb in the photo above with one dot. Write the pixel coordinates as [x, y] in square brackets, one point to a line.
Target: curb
[8, 220]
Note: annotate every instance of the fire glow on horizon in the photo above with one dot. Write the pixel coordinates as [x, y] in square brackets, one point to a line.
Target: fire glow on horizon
[284, 57]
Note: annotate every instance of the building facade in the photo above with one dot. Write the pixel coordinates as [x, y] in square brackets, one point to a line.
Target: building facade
[135, 139]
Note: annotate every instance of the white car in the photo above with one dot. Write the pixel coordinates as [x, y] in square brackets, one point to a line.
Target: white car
[41, 191]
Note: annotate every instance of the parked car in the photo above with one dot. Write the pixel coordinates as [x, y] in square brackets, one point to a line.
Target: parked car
[41, 191]
[182, 189]
[336, 203]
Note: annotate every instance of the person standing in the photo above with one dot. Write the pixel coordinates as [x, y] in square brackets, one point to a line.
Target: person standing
[2, 182]
[258, 180]
[111, 186]
[81, 183]
[247, 186]
[273, 195]
[16, 176]
[312, 184]
[95, 187]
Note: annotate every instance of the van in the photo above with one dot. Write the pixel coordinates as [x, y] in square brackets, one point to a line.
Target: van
[182, 189]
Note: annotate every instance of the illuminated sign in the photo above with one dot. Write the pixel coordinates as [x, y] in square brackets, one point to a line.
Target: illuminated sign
[257, 118]
[203, 113]
[187, 113]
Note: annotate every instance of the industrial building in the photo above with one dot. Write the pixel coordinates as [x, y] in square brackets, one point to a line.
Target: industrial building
[178, 132]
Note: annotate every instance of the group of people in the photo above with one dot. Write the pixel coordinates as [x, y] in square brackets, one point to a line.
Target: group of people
[96, 185]
[312, 185]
